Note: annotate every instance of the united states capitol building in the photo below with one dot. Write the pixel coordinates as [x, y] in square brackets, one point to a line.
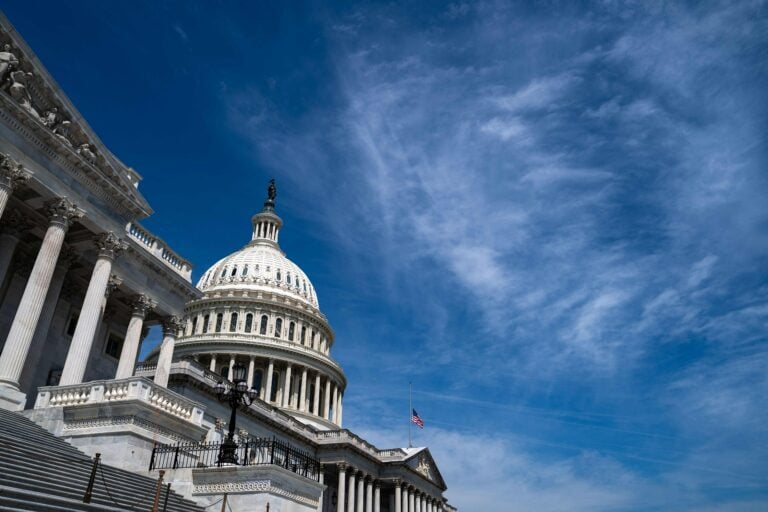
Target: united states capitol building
[81, 280]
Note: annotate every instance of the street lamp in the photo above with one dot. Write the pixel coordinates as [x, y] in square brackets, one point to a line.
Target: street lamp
[236, 395]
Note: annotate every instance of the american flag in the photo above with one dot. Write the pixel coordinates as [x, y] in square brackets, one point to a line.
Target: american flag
[417, 419]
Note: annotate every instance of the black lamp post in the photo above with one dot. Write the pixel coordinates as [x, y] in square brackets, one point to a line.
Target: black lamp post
[236, 395]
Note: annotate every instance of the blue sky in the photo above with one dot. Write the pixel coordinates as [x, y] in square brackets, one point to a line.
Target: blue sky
[547, 217]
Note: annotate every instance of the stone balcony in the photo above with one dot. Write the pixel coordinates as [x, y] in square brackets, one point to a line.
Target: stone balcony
[133, 414]
[160, 250]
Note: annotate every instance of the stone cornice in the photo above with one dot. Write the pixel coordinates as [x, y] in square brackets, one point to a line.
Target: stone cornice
[37, 108]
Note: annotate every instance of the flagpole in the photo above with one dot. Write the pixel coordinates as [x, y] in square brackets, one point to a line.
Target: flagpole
[410, 413]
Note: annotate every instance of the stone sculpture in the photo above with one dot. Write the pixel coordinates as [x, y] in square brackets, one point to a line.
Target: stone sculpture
[19, 92]
[7, 61]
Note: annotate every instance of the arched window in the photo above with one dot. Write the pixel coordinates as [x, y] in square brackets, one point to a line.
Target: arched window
[206, 320]
[256, 382]
[278, 327]
[245, 270]
[288, 278]
[234, 271]
[275, 383]
[291, 330]
[219, 321]
[223, 272]
[233, 322]
[248, 322]
[263, 326]
[312, 339]
[311, 397]
[278, 275]
[194, 325]
[303, 334]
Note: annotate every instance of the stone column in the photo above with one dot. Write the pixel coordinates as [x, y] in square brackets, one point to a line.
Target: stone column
[360, 491]
[405, 499]
[327, 404]
[398, 497]
[62, 213]
[270, 371]
[141, 306]
[171, 326]
[377, 496]
[422, 503]
[232, 361]
[287, 386]
[411, 500]
[12, 175]
[251, 370]
[352, 487]
[303, 394]
[341, 492]
[13, 225]
[369, 494]
[316, 401]
[212, 366]
[321, 481]
[335, 403]
[90, 315]
[341, 408]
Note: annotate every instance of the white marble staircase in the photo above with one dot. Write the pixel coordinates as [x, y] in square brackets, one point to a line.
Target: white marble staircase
[39, 472]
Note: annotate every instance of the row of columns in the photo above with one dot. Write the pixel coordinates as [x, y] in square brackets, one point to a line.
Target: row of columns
[62, 213]
[286, 397]
[358, 492]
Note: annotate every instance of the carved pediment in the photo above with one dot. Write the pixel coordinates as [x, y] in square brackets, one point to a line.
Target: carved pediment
[423, 463]
[30, 96]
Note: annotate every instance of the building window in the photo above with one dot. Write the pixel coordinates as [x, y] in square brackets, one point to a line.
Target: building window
[263, 326]
[219, 321]
[114, 345]
[224, 372]
[278, 275]
[311, 397]
[291, 329]
[72, 324]
[233, 322]
[288, 278]
[194, 325]
[312, 339]
[206, 320]
[275, 384]
[245, 271]
[256, 382]
[234, 271]
[248, 322]
[223, 272]
[303, 334]
[278, 327]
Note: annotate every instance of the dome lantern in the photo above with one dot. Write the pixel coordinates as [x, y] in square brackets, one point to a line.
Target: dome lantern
[266, 223]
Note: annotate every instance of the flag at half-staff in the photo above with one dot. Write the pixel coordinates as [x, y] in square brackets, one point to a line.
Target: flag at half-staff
[415, 418]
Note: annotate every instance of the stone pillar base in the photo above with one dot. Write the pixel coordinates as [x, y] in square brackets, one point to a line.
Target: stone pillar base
[11, 399]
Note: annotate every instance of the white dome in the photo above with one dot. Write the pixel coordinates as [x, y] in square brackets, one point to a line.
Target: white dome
[259, 267]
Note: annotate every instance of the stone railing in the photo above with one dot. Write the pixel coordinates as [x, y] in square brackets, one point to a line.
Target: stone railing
[109, 391]
[346, 436]
[160, 250]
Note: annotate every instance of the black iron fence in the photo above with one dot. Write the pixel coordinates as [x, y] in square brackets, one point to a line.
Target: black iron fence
[254, 452]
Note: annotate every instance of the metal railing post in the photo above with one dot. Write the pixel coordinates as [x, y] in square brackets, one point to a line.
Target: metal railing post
[89, 490]
[176, 456]
[156, 503]
[167, 493]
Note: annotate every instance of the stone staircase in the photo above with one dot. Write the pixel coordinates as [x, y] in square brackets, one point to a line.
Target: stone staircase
[40, 472]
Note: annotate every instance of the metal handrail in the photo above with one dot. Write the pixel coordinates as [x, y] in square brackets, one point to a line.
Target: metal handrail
[253, 452]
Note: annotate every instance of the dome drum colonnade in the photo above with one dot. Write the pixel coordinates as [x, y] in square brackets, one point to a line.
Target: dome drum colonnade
[259, 309]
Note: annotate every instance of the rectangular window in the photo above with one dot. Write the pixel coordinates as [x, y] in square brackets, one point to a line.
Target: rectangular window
[114, 345]
[72, 324]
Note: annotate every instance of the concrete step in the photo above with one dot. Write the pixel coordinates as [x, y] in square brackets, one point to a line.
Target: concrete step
[35, 465]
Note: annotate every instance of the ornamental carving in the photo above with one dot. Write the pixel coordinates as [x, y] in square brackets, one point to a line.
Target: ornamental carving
[8, 61]
[62, 211]
[171, 326]
[424, 467]
[110, 245]
[142, 305]
[12, 173]
[113, 284]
